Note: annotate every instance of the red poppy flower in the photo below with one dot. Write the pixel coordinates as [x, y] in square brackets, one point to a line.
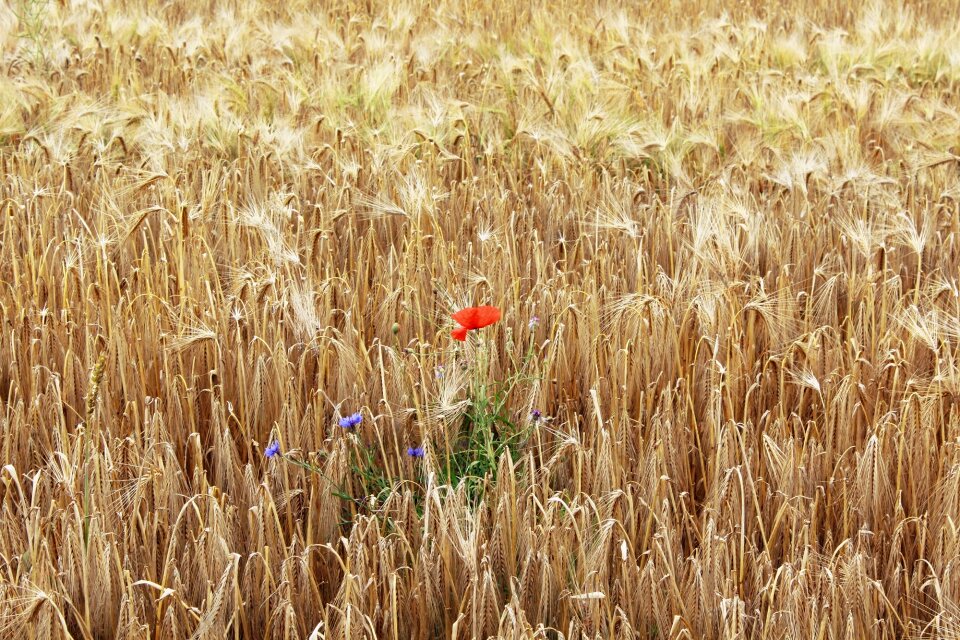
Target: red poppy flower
[474, 318]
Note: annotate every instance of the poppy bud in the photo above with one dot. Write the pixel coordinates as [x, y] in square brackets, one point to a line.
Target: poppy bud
[395, 328]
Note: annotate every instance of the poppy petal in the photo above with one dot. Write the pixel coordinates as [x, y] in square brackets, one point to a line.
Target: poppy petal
[460, 333]
[477, 317]
[487, 316]
[467, 317]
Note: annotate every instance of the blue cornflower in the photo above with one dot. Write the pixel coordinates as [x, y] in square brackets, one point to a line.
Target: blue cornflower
[272, 449]
[351, 421]
[415, 452]
[536, 414]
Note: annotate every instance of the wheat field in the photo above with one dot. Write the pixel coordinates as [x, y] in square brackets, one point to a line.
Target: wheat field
[721, 401]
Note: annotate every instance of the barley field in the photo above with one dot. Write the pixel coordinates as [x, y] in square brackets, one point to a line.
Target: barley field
[720, 399]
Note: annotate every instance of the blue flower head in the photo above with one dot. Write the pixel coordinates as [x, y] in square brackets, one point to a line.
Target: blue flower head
[272, 449]
[415, 452]
[351, 421]
[536, 414]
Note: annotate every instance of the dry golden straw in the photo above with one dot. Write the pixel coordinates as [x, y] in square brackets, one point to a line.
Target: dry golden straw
[228, 224]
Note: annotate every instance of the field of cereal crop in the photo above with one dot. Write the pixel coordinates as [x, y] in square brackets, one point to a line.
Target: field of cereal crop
[718, 395]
